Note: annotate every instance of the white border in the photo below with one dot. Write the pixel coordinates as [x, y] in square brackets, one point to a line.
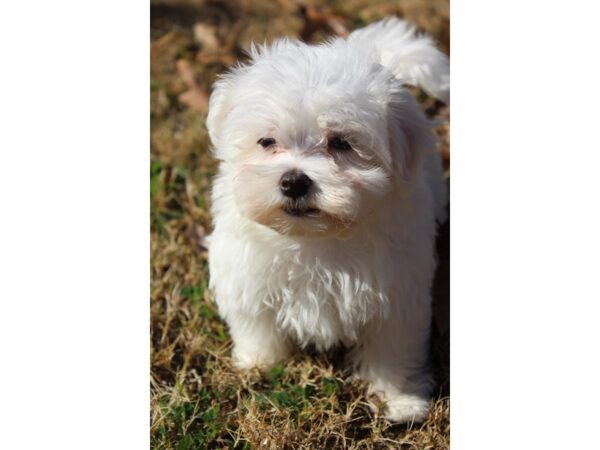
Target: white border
[525, 225]
[74, 240]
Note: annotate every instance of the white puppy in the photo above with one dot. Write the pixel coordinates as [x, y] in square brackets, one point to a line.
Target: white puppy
[325, 205]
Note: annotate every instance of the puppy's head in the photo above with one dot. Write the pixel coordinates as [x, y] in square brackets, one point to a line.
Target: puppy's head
[315, 138]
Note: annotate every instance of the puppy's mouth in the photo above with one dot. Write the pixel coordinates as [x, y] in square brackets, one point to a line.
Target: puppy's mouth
[299, 208]
[297, 212]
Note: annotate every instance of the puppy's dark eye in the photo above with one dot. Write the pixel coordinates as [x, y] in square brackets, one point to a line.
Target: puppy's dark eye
[266, 142]
[337, 143]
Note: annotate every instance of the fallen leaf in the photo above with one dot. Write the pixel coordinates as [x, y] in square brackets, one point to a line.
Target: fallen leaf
[322, 20]
[337, 25]
[195, 97]
[224, 58]
[206, 36]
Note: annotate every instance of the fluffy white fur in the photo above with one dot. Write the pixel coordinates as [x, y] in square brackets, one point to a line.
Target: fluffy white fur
[358, 266]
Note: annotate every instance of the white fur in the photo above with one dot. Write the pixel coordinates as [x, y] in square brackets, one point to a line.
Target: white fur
[411, 57]
[359, 272]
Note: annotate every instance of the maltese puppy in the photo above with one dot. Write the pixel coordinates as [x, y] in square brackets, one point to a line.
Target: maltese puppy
[325, 205]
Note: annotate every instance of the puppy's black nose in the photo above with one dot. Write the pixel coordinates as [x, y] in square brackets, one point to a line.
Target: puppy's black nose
[294, 183]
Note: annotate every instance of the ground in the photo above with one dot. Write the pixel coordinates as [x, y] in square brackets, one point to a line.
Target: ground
[197, 399]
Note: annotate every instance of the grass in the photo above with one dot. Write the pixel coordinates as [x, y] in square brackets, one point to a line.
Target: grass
[197, 399]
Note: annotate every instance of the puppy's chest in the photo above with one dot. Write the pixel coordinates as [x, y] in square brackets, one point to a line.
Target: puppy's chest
[324, 301]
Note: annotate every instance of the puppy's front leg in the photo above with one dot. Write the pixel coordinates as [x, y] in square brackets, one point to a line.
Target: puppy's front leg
[256, 340]
[393, 358]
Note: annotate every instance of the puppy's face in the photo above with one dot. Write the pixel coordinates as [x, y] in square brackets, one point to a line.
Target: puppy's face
[312, 140]
[319, 180]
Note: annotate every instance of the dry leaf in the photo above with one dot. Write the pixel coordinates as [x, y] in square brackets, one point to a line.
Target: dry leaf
[196, 97]
[337, 25]
[206, 36]
[224, 58]
[326, 20]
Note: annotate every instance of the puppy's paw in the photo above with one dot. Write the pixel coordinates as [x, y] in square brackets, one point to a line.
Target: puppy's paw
[245, 360]
[406, 409]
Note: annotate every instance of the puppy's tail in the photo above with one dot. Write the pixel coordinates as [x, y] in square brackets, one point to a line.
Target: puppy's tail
[412, 57]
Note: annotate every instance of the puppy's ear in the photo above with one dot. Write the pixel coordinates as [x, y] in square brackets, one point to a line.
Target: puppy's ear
[412, 57]
[411, 136]
[218, 107]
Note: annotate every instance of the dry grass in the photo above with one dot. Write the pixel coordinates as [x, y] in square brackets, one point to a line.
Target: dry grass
[198, 400]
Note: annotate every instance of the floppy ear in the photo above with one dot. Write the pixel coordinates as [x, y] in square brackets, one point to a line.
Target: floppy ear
[410, 134]
[219, 107]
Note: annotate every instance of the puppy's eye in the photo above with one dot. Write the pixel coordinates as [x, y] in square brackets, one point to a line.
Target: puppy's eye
[337, 143]
[266, 142]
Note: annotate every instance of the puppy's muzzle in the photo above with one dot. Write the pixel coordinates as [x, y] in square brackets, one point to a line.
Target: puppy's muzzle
[294, 184]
